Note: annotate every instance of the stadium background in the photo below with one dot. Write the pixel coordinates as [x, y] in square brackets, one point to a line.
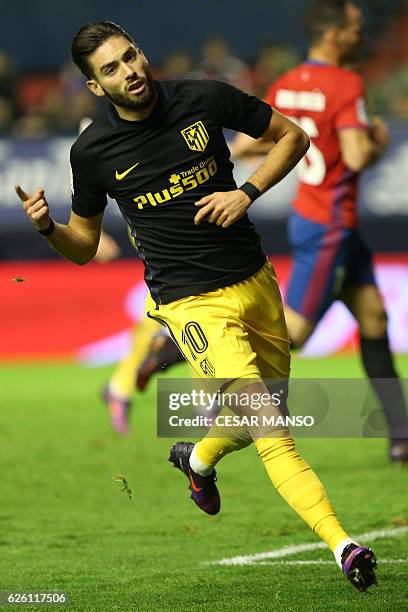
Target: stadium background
[42, 99]
[64, 525]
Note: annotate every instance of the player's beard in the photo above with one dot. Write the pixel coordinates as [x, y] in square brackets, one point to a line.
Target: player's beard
[126, 100]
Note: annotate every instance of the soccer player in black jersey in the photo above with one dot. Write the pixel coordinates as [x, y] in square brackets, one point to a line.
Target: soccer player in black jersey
[158, 149]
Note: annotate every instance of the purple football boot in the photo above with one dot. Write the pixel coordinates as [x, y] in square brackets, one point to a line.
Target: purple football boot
[118, 410]
[358, 564]
[204, 491]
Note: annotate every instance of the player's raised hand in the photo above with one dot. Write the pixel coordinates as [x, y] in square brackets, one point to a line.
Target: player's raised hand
[222, 207]
[36, 207]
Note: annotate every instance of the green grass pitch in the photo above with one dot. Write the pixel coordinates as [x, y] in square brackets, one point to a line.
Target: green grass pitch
[66, 526]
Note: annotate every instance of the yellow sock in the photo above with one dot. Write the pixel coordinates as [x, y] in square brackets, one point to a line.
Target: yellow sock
[210, 450]
[122, 380]
[300, 488]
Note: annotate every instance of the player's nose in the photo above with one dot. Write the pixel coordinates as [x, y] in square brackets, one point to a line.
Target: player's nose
[129, 71]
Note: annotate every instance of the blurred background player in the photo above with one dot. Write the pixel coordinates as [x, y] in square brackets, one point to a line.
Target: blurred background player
[121, 385]
[118, 391]
[331, 261]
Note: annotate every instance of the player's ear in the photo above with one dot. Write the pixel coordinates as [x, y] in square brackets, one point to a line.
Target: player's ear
[94, 86]
[142, 55]
[331, 35]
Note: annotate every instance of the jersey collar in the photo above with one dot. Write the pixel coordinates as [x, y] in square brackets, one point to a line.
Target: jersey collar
[311, 62]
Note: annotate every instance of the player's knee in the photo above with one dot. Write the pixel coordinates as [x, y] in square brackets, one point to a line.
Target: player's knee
[299, 328]
[296, 343]
[298, 337]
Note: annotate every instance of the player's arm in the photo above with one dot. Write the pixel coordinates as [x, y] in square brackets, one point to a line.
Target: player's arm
[361, 148]
[290, 144]
[361, 144]
[108, 248]
[245, 146]
[77, 241]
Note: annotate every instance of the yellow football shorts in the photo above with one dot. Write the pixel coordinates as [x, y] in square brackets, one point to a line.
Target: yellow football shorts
[235, 332]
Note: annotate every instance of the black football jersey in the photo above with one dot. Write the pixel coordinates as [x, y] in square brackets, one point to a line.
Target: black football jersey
[157, 168]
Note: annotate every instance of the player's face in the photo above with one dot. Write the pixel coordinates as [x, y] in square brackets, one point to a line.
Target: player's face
[121, 72]
[351, 37]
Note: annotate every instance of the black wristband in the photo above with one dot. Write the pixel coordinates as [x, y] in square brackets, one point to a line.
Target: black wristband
[49, 230]
[252, 192]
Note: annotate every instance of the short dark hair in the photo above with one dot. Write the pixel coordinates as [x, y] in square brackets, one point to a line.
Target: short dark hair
[89, 38]
[323, 14]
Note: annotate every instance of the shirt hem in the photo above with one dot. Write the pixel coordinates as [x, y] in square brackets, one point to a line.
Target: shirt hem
[167, 298]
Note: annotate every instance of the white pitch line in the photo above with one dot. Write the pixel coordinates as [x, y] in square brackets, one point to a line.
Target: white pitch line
[293, 550]
[323, 562]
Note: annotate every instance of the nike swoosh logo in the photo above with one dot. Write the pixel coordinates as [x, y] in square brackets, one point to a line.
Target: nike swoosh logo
[193, 484]
[121, 175]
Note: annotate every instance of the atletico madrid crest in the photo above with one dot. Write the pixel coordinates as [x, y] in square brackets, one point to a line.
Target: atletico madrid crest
[196, 136]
